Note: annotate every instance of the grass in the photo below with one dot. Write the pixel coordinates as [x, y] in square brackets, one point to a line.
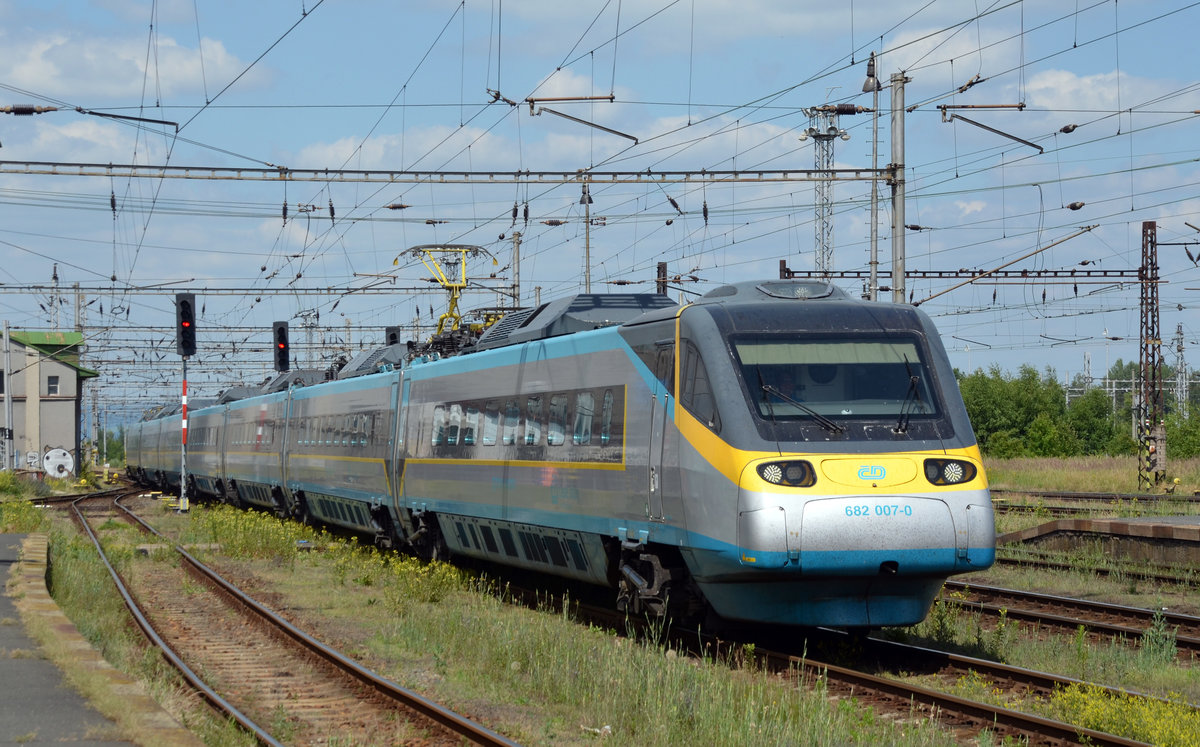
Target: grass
[1145, 664]
[83, 589]
[1093, 474]
[539, 677]
[543, 678]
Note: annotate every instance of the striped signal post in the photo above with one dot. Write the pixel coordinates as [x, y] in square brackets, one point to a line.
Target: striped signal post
[185, 345]
[183, 496]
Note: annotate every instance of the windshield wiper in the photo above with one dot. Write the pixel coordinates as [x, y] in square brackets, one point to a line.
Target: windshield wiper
[823, 421]
[911, 399]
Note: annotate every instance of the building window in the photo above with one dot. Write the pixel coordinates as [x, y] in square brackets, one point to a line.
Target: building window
[1, 382]
[51, 386]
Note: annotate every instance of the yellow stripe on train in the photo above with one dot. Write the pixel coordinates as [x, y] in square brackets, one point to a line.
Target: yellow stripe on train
[852, 473]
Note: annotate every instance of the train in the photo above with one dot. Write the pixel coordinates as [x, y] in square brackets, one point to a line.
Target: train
[773, 452]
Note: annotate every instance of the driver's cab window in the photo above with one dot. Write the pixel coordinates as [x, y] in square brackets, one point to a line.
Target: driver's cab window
[696, 392]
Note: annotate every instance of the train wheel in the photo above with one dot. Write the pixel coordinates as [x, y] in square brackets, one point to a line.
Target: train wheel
[300, 510]
[657, 583]
[281, 507]
[427, 542]
[230, 494]
[386, 537]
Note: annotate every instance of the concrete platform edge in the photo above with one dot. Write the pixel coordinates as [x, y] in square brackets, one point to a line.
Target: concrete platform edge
[153, 725]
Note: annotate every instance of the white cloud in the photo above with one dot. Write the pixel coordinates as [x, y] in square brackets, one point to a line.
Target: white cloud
[60, 65]
[966, 208]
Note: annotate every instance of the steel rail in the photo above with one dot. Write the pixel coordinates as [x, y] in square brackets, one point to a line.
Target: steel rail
[193, 679]
[1148, 575]
[983, 714]
[1043, 682]
[1099, 496]
[1000, 599]
[459, 724]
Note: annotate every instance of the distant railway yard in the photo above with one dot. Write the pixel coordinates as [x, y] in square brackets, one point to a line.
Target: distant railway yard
[1066, 640]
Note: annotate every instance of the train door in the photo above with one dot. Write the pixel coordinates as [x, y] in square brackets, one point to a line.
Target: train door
[397, 446]
[660, 412]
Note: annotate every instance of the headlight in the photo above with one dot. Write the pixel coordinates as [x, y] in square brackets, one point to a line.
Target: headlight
[949, 471]
[794, 474]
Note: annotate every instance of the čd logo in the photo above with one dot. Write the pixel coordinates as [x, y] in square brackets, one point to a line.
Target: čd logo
[871, 472]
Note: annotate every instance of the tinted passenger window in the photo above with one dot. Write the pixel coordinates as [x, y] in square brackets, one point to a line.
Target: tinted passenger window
[491, 423]
[512, 417]
[533, 421]
[556, 435]
[585, 407]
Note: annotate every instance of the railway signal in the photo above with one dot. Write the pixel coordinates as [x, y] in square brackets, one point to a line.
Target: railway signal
[391, 336]
[280, 336]
[185, 324]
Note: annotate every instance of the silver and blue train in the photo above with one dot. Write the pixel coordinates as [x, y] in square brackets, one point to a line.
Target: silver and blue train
[773, 452]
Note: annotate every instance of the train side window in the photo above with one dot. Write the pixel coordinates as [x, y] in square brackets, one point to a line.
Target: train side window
[470, 424]
[533, 421]
[512, 419]
[556, 434]
[454, 425]
[585, 407]
[439, 425]
[491, 423]
[664, 364]
[697, 395]
[606, 418]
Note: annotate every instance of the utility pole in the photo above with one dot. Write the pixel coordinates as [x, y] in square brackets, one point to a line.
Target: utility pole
[873, 85]
[586, 201]
[1181, 373]
[9, 456]
[824, 129]
[896, 167]
[1151, 431]
[309, 318]
[516, 287]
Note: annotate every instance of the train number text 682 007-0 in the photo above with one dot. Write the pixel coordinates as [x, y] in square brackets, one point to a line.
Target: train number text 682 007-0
[880, 509]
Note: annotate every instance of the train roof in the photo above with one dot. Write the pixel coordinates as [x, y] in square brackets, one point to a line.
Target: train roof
[564, 316]
[789, 290]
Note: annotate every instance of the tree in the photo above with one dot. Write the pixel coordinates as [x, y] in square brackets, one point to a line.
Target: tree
[1091, 418]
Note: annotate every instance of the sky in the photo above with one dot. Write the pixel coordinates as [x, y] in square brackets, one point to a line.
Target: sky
[1078, 114]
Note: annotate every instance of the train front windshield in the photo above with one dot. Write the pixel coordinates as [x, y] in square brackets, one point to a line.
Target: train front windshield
[793, 379]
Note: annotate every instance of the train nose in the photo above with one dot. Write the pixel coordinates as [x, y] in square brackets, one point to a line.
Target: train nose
[884, 535]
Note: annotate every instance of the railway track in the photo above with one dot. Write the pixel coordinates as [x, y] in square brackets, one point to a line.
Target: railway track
[896, 658]
[1067, 613]
[279, 683]
[964, 716]
[1101, 497]
[1159, 574]
[1084, 504]
[967, 718]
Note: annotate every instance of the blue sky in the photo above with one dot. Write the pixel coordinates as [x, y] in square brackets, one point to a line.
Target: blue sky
[701, 84]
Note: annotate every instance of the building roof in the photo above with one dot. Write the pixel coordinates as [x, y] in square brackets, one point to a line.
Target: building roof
[63, 347]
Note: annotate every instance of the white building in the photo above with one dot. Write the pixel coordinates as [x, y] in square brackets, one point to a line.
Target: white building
[47, 397]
